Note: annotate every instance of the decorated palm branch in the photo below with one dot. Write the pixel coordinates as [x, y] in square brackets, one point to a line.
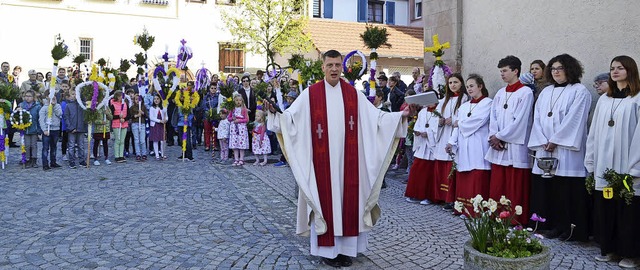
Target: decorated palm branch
[374, 37]
[226, 88]
[59, 51]
[354, 70]
[439, 72]
[619, 186]
[186, 100]
[21, 119]
[145, 40]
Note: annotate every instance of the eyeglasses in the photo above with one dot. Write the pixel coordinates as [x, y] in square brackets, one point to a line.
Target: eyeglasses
[557, 69]
[597, 84]
[245, 80]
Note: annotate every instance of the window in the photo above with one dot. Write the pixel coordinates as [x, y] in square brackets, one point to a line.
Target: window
[316, 8]
[86, 48]
[226, 2]
[375, 11]
[418, 9]
[231, 58]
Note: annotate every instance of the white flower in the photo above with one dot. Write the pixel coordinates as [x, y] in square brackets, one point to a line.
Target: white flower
[485, 204]
[458, 206]
[504, 200]
[498, 219]
[493, 205]
[518, 210]
[478, 199]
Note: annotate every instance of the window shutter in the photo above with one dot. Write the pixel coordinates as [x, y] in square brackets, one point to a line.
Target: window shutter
[391, 13]
[362, 11]
[328, 9]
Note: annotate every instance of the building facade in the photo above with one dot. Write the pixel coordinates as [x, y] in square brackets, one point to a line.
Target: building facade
[105, 29]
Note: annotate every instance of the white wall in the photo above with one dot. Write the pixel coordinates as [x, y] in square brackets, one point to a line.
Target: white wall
[345, 10]
[112, 25]
[402, 13]
[592, 31]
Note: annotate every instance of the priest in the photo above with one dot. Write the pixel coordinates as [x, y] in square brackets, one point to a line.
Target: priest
[339, 147]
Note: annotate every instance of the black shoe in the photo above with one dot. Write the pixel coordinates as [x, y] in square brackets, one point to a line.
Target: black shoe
[345, 260]
[13, 145]
[72, 166]
[191, 159]
[83, 164]
[46, 168]
[333, 262]
[55, 165]
[448, 207]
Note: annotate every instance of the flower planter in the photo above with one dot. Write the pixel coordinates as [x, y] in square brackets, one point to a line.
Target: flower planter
[475, 260]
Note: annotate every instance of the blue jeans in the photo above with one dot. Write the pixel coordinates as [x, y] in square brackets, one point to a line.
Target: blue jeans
[139, 135]
[49, 147]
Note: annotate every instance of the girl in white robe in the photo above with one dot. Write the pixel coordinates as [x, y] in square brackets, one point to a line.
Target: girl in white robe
[469, 144]
[614, 143]
[448, 107]
[560, 130]
[422, 186]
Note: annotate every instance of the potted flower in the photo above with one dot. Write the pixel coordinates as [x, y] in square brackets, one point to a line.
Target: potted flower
[495, 243]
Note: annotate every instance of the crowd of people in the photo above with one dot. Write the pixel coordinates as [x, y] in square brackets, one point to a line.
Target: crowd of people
[466, 144]
[496, 143]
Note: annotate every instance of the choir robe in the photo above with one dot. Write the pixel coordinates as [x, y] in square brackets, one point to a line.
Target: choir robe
[469, 142]
[562, 199]
[443, 162]
[615, 223]
[378, 134]
[511, 167]
[422, 184]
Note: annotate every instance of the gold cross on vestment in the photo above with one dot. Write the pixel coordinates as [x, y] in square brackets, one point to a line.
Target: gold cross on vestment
[319, 131]
[351, 122]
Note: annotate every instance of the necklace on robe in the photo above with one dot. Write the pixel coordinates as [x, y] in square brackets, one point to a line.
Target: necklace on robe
[511, 89]
[430, 115]
[622, 94]
[552, 105]
[474, 101]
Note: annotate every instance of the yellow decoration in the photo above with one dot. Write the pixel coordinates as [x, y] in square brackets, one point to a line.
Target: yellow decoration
[165, 101]
[184, 130]
[229, 99]
[223, 77]
[3, 158]
[11, 79]
[190, 99]
[52, 84]
[372, 85]
[437, 47]
[626, 185]
[607, 193]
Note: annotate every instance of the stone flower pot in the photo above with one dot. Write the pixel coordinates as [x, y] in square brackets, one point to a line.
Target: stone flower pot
[475, 260]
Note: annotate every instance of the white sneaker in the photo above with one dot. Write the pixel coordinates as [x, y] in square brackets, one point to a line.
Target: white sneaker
[107, 162]
[605, 258]
[92, 157]
[412, 200]
[629, 263]
[96, 163]
[65, 158]
[425, 202]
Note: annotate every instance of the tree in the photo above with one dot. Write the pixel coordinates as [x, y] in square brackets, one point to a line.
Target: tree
[269, 26]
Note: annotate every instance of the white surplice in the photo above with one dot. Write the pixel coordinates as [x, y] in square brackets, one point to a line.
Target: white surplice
[567, 128]
[616, 147]
[378, 135]
[425, 147]
[469, 139]
[511, 125]
[446, 131]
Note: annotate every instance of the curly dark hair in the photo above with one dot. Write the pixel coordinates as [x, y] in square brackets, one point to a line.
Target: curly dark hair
[572, 68]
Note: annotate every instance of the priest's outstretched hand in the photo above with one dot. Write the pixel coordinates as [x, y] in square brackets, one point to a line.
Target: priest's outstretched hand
[268, 106]
[410, 110]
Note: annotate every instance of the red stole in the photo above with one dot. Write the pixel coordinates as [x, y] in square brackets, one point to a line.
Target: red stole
[321, 162]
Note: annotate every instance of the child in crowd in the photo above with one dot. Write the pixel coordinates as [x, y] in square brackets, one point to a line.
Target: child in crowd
[76, 127]
[119, 124]
[223, 135]
[31, 134]
[138, 127]
[62, 96]
[158, 118]
[102, 134]
[238, 134]
[261, 143]
[128, 99]
[51, 131]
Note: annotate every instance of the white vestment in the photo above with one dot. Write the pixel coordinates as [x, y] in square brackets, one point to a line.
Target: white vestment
[470, 137]
[378, 135]
[425, 148]
[512, 126]
[567, 128]
[616, 147]
[446, 130]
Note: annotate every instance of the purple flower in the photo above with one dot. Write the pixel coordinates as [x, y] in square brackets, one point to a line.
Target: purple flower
[518, 228]
[94, 97]
[1, 143]
[537, 218]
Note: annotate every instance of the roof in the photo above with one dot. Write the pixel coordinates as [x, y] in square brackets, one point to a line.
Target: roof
[345, 37]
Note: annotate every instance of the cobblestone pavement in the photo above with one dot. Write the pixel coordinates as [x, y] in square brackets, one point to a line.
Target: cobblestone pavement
[174, 215]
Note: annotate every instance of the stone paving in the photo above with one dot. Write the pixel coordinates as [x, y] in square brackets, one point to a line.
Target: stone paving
[201, 215]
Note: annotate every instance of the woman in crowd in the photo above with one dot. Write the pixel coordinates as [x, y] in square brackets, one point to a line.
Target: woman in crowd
[560, 131]
[613, 144]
